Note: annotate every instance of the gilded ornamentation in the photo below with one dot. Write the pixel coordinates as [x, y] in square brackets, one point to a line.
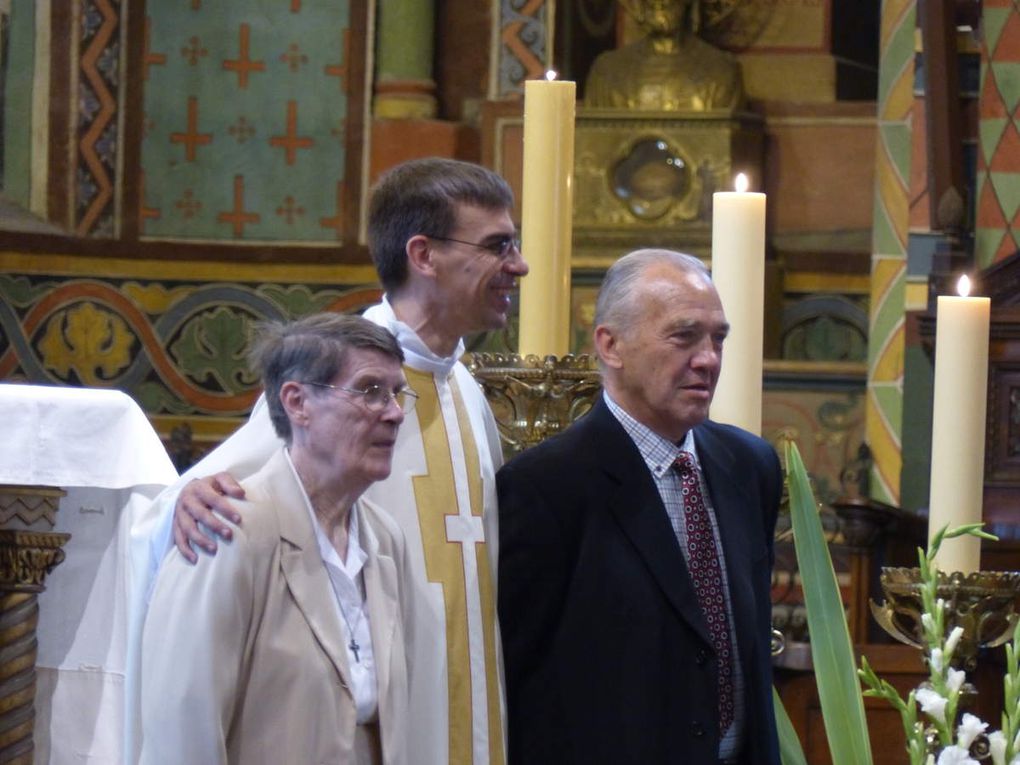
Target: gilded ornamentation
[647, 179]
[534, 398]
[661, 131]
[615, 181]
[984, 604]
[26, 557]
[651, 177]
[671, 69]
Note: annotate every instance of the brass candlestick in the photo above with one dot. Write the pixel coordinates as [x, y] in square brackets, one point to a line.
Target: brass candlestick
[534, 398]
[984, 604]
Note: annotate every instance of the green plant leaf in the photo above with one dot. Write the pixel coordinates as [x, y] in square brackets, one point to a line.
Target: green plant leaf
[790, 751]
[835, 667]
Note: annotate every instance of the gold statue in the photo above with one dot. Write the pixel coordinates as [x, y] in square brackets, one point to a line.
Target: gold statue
[671, 69]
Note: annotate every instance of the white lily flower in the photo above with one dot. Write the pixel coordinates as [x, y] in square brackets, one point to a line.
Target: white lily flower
[927, 622]
[932, 704]
[969, 729]
[997, 747]
[936, 659]
[953, 640]
[1015, 760]
[956, 755]
[954, 679]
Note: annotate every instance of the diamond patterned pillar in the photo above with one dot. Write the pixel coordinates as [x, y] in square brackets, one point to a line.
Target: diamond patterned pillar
[884, 411]
[997, 233]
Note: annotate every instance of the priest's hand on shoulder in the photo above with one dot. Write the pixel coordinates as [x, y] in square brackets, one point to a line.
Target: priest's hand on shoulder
[202, 501]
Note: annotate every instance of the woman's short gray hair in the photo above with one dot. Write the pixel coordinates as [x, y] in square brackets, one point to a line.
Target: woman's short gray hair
[616, 305]
[314, 350]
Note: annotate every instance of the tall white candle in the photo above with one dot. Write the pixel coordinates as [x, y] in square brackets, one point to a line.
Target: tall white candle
[547, 216]
[958, 424]
[738, 270]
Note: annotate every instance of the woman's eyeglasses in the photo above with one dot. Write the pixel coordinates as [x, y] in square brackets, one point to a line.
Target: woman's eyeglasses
[375, 397]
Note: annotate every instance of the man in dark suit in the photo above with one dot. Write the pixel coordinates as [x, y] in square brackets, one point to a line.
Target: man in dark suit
[636, 550]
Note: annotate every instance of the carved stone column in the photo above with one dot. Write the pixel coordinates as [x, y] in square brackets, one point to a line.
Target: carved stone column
[29, 550]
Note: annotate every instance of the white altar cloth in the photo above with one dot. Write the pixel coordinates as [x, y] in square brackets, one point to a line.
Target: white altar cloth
[98, 446]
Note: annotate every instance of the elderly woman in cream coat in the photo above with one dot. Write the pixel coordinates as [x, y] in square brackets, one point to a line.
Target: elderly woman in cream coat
[288, 646]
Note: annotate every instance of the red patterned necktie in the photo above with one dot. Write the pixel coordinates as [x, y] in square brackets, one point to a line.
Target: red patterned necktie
[706, 574]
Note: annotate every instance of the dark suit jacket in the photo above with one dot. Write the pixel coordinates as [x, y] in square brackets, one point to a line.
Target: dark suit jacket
[608, 659]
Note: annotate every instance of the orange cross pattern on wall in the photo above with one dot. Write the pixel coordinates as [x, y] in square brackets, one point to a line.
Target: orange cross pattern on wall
[240, 112]
[290, 210]
[291, 141]
[148, 57]
[340, 70]
[238, 217]
[336, 222]
[294, 58]
[243, 64]
[144, 211]
[192, 138]
[194, 51]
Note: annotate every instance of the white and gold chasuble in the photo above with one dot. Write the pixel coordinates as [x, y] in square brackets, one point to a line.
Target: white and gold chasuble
[442, 493]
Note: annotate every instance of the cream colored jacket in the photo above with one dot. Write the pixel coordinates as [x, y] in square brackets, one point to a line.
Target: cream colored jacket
[243, 654]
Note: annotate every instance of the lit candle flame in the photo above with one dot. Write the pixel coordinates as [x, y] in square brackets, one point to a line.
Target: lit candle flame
[963, 286]
[740, 184]
[550, 75]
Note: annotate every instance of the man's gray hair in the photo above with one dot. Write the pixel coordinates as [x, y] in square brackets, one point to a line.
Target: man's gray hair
[616, 305]
[311, 350]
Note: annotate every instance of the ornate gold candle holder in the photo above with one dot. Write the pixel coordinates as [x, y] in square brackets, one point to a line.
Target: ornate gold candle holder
[984, 603]
[534, 398]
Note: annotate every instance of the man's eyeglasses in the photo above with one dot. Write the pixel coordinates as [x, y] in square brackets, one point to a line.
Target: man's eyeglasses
[501, 247]
[376, 397]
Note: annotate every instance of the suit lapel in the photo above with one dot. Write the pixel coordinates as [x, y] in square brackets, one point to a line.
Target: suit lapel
[381, 602]
[636, 505]
[305, 572]
[731, 506]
